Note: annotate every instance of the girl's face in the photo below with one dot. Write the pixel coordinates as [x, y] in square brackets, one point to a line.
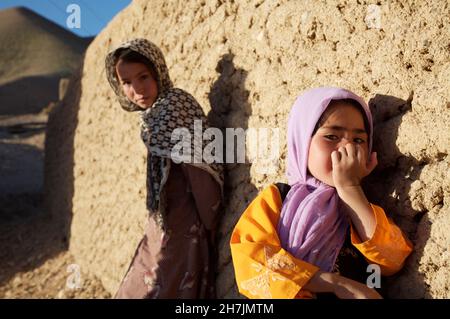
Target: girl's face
[137, 83]
[343, 123]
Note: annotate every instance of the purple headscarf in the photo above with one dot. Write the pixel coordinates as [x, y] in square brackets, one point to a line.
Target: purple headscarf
[313, 222]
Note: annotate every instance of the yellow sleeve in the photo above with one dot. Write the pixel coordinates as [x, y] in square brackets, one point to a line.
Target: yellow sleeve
[262, 268]
[388, 246]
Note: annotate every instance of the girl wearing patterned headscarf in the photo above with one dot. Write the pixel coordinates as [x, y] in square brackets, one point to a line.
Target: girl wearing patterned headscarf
[175, 257]
[316, 235]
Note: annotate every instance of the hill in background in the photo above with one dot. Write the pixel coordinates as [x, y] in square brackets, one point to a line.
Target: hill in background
[35, 54]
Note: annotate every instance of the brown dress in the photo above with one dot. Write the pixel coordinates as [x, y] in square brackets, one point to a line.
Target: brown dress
[178, 263]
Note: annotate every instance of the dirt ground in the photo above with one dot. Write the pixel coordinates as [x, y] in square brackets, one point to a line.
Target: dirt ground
[34, 261]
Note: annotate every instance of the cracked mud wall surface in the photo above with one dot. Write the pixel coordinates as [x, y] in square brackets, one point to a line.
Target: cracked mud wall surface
[245, 62]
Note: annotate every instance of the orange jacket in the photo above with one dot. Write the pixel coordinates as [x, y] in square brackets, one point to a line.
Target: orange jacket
[265, 270]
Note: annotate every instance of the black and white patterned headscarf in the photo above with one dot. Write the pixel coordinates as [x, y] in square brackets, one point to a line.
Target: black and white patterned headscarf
[173, 108]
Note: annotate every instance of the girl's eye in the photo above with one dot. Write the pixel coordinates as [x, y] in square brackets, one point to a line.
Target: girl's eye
[143, 77]
[125, 83]
[359, 140]
[331, 137]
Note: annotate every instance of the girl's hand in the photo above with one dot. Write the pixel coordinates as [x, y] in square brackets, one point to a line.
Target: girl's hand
[349, 168]
[346, 288]
[350, 165]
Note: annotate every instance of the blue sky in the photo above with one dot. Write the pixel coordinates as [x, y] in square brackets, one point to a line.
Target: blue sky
[94, 14]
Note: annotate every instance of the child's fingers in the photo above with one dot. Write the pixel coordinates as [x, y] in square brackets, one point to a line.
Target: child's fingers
[335, 158]
[343, 151]
[361, 156]
[351, 150]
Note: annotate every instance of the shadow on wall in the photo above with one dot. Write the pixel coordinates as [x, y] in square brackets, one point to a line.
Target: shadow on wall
[230, 109]
[21, 174]
[59, 158]
[389, 186]
[30, 93]
[45, 230]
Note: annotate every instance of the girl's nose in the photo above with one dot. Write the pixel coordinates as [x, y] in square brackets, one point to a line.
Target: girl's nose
[137, 88]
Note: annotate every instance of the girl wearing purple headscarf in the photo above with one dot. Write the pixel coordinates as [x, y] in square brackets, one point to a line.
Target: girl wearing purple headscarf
[317, 235]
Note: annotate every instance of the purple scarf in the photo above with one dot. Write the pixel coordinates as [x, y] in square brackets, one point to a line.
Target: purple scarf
[313, 223]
